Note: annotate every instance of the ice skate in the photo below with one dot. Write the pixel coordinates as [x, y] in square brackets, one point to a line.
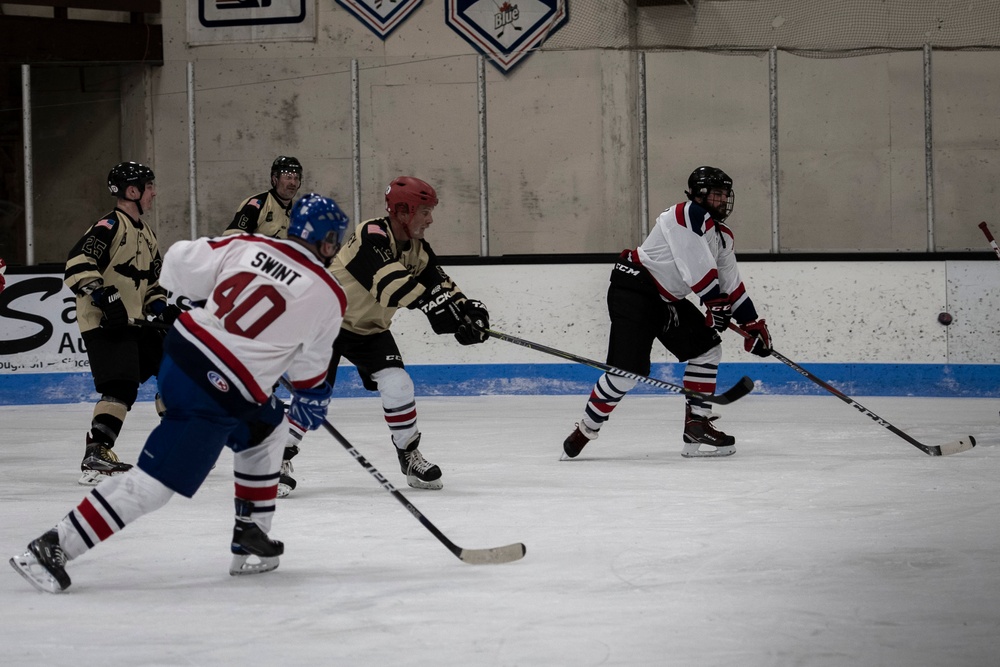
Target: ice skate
[286, 483]
[576, 441]
[99, 461]
[249, 541]
[699, 431]
[44, 564]
[420, 473]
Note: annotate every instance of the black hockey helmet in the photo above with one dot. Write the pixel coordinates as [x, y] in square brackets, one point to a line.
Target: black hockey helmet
[129, 173]
[284, 164]
[704, 179]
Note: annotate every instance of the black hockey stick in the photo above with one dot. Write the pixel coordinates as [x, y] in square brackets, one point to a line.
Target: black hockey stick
[734, 393]
[960, 445]
[989, 237]
[494, 556]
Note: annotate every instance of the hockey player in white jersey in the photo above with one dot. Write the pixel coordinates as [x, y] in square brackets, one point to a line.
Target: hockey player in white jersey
[271, 309]
[689, 251]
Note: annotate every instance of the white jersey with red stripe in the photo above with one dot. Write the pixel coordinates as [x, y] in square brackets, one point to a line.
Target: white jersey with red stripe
[271, 309]
[688, 252]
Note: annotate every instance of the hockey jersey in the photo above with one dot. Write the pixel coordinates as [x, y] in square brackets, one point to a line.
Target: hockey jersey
[121, 252]
[688, 252]
[261, 214]
[271, 308]
[381, 274]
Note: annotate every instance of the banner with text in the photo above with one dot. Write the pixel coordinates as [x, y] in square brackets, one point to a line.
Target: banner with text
[230, 21]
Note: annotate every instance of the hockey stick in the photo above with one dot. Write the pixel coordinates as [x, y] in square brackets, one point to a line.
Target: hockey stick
[494, 556]
[960, 445]
[734, 393]
[989, 237]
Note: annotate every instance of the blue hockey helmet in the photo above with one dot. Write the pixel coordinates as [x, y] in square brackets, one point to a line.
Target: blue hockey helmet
[316, 219]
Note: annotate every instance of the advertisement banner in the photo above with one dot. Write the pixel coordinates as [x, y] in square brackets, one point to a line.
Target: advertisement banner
[231, 21]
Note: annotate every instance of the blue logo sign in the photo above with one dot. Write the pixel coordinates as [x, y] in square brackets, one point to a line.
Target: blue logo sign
[506, 31]
[380, 16]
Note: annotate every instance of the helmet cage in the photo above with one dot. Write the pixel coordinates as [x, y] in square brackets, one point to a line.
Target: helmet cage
[705, 179]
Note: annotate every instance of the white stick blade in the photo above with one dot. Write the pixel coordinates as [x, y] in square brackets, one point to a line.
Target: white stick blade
[959, 446]
[495, 556]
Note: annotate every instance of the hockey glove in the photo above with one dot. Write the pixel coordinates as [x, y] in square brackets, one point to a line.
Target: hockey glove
[109, 300]
[444, 314]
[309, 406]
[720, 312]
[760, 343]
[477, 321]
[167, 313]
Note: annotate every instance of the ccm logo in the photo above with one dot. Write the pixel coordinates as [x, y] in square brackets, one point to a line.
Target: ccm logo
[627, 270]
[436, 301]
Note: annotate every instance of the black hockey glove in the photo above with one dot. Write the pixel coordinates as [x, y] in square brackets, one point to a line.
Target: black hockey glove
[477, 320]
[167, 313]
[760, 343]
[444, 314]
[110, 302]
[720, 312]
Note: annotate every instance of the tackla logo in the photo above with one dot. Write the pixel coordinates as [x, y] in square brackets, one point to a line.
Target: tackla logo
[506, 32]
[380, 16]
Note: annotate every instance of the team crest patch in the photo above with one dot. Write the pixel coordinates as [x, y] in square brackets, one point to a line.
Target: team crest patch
[218, 381]
[380, 16]
[506, 31]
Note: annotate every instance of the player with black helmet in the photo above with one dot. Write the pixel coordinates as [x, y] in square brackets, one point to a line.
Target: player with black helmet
[114, 270]
[690, 250]
[267, 213]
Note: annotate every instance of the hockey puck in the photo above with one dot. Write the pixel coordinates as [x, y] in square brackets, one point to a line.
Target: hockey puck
[944, 318]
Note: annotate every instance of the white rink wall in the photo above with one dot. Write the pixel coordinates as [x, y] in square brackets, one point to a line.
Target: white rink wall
[831, 312]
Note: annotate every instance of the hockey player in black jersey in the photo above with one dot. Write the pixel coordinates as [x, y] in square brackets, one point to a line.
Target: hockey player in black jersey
[690, 251]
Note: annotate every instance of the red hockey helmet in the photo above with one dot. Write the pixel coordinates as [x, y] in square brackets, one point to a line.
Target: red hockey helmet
[411, 192]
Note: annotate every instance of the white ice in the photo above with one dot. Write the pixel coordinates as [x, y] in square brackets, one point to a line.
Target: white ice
[825, 541]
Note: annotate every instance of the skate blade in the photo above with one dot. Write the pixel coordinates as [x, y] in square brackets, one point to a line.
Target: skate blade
[28, 567]
[95, 477]
[692, 451]
[241, 564]
[417, 483]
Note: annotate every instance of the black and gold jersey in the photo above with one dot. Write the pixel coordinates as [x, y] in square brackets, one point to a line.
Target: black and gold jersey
[381, 275]
[121, 252]
[261, 214]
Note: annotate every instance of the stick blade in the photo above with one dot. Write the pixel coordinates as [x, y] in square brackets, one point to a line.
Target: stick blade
[734, 393]
[494, 556]
[958, 446]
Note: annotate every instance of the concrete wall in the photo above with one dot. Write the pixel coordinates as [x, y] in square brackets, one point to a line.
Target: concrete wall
[562, 131]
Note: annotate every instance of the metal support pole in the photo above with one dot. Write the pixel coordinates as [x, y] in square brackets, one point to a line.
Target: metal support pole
[772, 79]
[192, 161]
[356, 136]
[643, 149]
[484, 185]
[928, 148]
[29, 179]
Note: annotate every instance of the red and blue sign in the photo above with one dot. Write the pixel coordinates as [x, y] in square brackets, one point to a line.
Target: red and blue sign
[503, 30]
[380, 16]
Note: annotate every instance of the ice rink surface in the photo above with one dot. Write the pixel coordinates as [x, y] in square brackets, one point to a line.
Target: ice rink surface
[825, 541]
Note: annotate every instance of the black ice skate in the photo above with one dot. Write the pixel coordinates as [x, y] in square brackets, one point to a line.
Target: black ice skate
[100, 461]
[698, 431]
[250, 541]
[576, 441]
[420, 473]
[286, 483]
[44, 564]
